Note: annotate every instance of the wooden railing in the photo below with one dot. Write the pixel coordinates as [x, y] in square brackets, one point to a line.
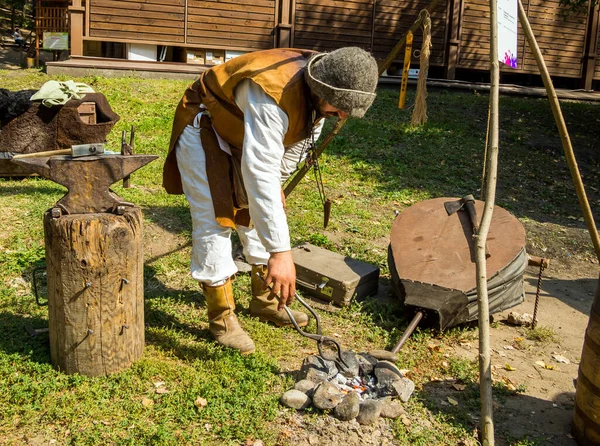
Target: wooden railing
[52, 19]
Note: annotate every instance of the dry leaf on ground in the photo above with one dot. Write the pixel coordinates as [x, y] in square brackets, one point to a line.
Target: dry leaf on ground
[200, 402]
[560, 358]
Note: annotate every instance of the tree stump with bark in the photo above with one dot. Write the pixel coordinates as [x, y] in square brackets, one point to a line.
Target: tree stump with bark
[94, 265]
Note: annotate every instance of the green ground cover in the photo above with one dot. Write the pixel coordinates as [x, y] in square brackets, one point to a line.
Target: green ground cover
[375, 166]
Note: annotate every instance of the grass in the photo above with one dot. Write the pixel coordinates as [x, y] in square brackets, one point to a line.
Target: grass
[540, 334]
[376, 166]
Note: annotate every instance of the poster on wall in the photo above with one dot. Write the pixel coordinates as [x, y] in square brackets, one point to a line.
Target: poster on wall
[507, 32]
[55, 41]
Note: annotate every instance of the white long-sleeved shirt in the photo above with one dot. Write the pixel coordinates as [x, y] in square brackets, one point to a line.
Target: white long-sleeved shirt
[266, 163]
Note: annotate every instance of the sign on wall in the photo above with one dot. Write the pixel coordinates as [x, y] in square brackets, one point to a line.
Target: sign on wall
[55, 41]
[507, 32]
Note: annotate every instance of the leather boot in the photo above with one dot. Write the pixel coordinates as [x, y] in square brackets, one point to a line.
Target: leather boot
[266, 309]
[223, 324]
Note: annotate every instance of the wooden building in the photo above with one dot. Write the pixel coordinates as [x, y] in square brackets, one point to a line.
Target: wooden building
[211, 31]
[50, 16]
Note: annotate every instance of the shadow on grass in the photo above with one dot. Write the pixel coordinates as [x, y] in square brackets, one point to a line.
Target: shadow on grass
[165, 327]
[445, 156]
[14, 337]
[174, 219]
[517, 416]
[577, 293]
[10, 190]
[387, 311]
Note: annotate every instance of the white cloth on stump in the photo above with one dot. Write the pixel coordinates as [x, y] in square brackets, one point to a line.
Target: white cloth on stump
[266, 164]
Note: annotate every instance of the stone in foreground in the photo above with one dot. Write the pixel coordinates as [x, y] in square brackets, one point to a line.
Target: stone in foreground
[306, 386]
[327, 396]
[391, 408]
[369, 412]
[349, 407]
[404, 389]
[384, 355]
[295, 399]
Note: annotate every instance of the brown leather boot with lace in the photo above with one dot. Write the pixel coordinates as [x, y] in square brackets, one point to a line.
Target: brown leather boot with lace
[266, 309]
[223, 324]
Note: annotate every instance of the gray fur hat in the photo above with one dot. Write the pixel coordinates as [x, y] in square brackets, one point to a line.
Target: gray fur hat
[345, 78]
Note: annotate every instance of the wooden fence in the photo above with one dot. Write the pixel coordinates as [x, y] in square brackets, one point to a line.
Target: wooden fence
[52, 19]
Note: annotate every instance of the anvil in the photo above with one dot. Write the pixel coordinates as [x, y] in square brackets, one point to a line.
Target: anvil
[87, 179]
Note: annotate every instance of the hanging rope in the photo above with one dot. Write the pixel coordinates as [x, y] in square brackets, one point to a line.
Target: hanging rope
[419, 115]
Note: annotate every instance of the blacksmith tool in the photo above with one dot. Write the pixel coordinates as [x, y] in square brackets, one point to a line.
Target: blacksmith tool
[318, 336]
[541, 263]
[88, 180]
[75, 151]
[409, 330]
[467, 202]
[127, 149]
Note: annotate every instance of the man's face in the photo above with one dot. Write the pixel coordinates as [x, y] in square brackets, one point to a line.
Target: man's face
[329, 111]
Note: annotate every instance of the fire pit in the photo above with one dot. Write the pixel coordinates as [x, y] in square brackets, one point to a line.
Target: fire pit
[366, 389]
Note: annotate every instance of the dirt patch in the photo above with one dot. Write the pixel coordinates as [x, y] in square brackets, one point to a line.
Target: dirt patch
[328, 431]
[544, 409]
[160, 242]
[12, 58]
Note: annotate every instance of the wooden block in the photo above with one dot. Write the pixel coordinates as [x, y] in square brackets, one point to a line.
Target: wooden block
[94, 265]
[87, 112]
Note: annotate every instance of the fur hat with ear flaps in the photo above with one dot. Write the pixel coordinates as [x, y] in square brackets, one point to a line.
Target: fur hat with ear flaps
[345, 78]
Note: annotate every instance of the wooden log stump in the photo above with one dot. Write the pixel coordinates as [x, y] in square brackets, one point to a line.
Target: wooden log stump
[94, 266]
[586, 417]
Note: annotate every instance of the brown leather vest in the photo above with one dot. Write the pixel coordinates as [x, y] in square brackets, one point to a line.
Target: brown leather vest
[279, 72]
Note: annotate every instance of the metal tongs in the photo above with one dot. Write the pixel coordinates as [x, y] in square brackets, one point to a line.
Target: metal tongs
[319, 337]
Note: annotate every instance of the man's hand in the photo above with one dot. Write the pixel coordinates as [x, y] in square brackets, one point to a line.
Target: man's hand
[282, 275]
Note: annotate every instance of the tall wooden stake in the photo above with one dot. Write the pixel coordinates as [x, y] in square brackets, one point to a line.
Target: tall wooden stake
[562, 130]
[485, 363]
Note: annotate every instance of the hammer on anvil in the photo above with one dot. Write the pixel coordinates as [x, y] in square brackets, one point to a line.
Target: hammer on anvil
[467, 202]
[88, 179]
[75, 151]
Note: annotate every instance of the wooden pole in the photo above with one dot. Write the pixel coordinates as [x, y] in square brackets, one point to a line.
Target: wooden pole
[485, 363]
[383, 65]
[76, 16]
[562, 130]
[404, 83]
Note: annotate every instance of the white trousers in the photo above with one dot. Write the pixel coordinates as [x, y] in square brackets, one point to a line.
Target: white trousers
[211, 262]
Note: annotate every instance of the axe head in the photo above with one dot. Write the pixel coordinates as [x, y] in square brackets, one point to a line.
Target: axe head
[454, 206]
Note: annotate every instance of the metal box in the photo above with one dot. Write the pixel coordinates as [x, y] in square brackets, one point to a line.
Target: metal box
[332, 277]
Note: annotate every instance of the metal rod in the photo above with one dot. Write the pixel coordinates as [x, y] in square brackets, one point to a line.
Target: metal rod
[319, 337]
[537, 296]
[409, 330]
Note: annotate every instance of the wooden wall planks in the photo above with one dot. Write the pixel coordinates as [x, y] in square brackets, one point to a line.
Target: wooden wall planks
[561, 38]
[324, 25]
